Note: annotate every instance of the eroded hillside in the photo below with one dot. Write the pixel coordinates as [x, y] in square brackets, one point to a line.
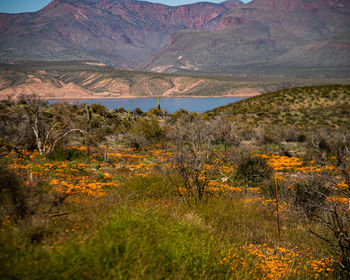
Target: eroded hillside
[72, 80]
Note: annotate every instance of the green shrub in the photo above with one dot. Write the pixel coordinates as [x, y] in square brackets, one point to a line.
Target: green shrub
[253, 170]
[12, 194]
[62, 153]
[98, 109]
[138, 111]
[309, 195]
[146, 131]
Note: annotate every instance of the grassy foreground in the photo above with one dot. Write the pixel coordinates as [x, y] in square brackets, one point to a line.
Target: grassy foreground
[137, 226]
[91, 193]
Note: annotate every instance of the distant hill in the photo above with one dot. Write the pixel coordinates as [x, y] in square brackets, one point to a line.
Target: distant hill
[272, 34]
[304, 107]
[77, 80]
[327, 51]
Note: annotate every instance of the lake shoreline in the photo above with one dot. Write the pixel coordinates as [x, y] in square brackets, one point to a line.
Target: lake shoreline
[197, 104]
[171, 105]
[132, 97]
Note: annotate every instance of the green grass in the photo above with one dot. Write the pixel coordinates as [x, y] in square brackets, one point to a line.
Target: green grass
[136, 236]
[130, 243]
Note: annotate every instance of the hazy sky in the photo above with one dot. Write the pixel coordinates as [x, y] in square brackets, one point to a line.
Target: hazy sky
[19, 6]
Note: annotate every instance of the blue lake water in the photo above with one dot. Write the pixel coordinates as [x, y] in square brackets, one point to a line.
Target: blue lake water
[172, 105]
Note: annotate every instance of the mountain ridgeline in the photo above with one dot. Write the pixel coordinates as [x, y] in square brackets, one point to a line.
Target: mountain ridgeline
[272, 37]
[121, 33]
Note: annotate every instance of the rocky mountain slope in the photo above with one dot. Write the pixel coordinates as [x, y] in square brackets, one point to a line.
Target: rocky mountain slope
[279, 33]
[117, 32]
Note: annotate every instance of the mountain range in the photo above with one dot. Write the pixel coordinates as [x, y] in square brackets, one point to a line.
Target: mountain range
[230, 37]
[117, 32]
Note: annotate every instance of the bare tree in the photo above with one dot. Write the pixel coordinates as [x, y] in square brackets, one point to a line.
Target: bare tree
[224, 131]
[191, 139]
[48, 133]
[335, 217]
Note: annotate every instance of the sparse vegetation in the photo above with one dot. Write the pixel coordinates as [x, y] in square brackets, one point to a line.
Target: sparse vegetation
[303, 107]
[178, 196]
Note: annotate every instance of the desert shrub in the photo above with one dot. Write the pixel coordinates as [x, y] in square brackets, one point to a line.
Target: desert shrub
[246, 132]
[138, 111]
[191, 141]
[322, 145]
[29, 202]
[156, 111]
[188, 164]
[284, 151]
[62, 153]
[135, 140]
[253, 170]
[264, 136]
[224, 131]
[301, 137]
[334, 218]
[291, 134]
[309, 194]
[14, 128]
[98, 109]
[108, 130]
[121, 125]
[150, 128]
[182, 113]
[268, 188]
[12, 194]
[191, 132]
[145, 131]
[335, 233]
[274, 134]
[120, 110]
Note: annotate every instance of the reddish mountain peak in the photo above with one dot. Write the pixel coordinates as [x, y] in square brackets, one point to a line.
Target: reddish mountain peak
[54, 4]
[230, 4]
